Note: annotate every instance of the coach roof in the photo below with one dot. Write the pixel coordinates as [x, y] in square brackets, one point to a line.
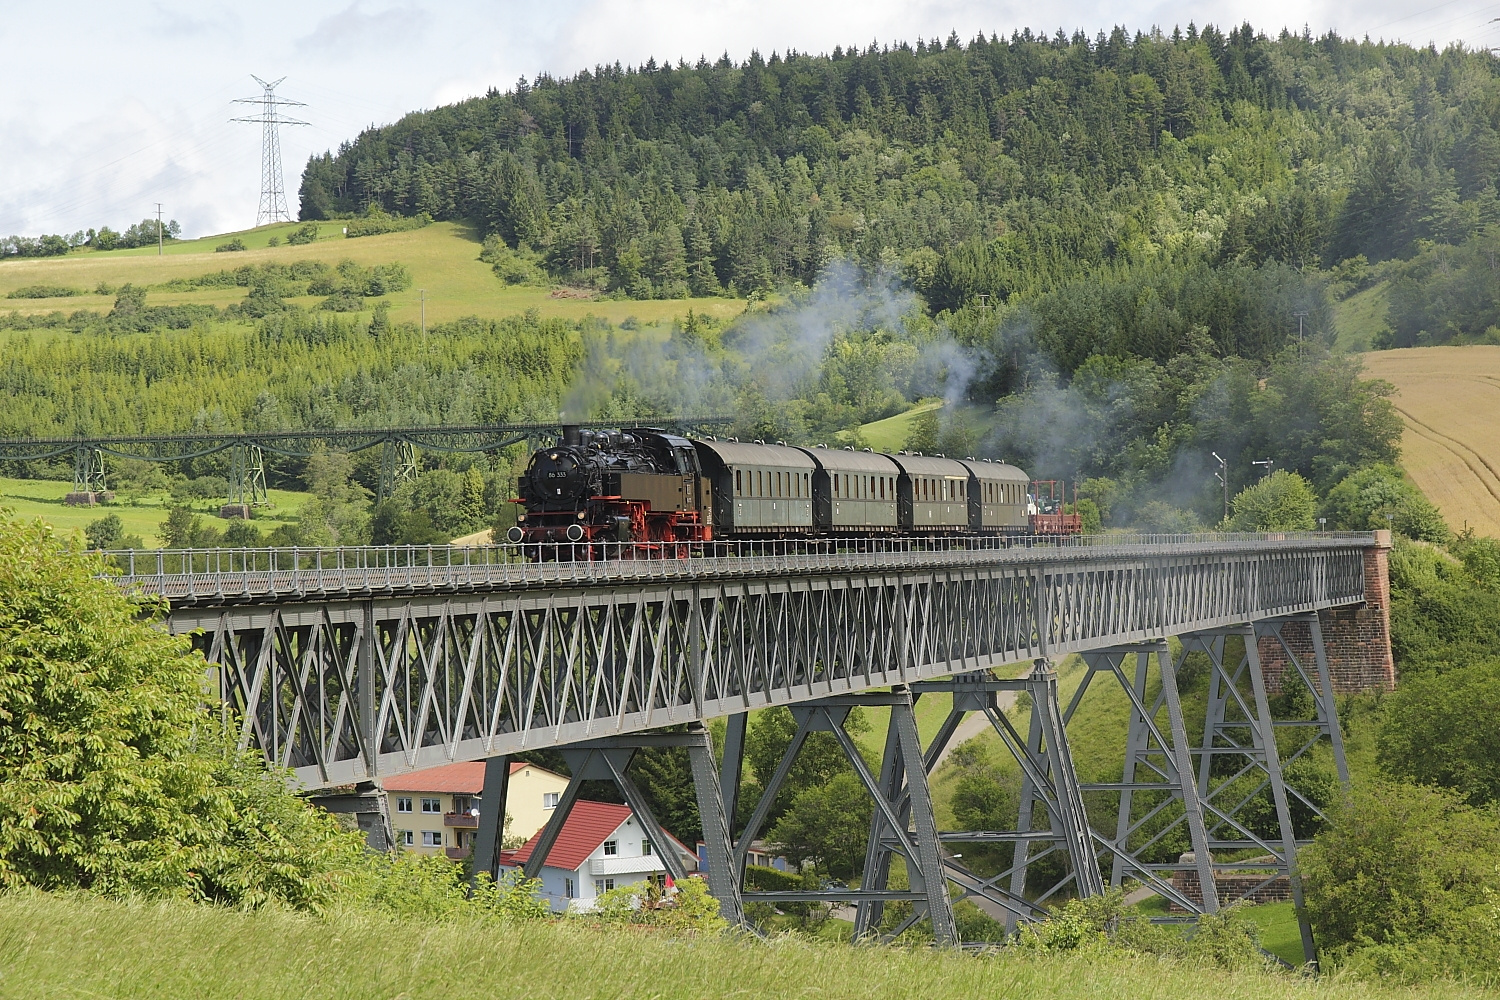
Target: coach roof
[738, 453]
[841, 460]
[924, 465]
[992, 472]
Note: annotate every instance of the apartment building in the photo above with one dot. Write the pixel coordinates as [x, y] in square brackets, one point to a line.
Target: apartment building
[436, 810]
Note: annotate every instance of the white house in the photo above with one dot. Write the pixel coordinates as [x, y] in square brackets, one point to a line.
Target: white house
[601, 846]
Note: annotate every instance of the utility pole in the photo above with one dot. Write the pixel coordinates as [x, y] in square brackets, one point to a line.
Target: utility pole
[1269, 463]
[1223, 477]
[272, 194]
[1300, 317]
[422, 292]
[159, 240]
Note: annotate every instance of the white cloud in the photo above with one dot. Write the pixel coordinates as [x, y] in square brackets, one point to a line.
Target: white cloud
[351, 32]
[112, 111]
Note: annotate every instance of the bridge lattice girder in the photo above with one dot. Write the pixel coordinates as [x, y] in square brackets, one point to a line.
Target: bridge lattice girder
[345, 689]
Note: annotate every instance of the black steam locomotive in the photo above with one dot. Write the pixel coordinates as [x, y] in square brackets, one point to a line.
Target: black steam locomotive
[668, 495]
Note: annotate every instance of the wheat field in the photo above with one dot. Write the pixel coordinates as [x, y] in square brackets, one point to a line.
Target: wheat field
[1450, 400]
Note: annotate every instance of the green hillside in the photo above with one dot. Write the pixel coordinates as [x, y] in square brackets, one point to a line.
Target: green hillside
[443, 260]
[890, 433]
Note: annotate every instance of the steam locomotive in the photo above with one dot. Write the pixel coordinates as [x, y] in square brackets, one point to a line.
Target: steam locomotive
[661, 494]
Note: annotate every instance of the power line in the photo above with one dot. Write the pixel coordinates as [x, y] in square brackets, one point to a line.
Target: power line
[272, 194]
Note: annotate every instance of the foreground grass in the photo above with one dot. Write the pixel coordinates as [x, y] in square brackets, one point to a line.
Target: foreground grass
[61, 947]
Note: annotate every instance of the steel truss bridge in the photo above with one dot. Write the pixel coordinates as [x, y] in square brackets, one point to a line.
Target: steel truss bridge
[247, 449]
[349, 665]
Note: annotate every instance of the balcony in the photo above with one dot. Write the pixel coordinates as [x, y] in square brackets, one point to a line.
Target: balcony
[457, 853]
[461, 821]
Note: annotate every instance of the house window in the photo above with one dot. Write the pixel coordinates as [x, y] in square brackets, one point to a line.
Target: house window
[403, 804]
[645, 848]
[432, 838]
[611, 848]
[549, 800]
[462, 803]
[405, 836]
[432, 806]
[603, 885]
[567, 888]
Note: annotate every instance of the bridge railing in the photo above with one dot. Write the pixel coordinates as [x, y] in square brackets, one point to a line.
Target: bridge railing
[268, 573]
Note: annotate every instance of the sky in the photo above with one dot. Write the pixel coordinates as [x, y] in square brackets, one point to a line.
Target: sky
[110, 108]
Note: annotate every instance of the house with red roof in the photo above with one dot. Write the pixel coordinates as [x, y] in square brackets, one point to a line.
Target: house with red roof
[601, 846]
[436, 810]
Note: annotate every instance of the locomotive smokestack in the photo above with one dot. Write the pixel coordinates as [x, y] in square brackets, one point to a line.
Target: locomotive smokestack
[572, 436]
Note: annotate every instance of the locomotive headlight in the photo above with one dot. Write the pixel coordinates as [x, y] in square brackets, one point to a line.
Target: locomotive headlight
[520, 517]
[580, 515]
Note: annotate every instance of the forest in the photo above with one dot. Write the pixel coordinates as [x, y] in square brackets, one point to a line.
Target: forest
[1209, 182]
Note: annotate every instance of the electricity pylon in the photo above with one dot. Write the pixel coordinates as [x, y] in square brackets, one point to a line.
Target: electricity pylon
[272, 195]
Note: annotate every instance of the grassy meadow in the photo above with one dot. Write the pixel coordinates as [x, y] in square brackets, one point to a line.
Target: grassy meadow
[890, 434]
[43, 498]
[443, 259]
[73, 947]
[1449, 398]
[1360, 318]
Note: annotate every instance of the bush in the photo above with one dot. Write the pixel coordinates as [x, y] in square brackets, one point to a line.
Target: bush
[343, 302]
[375, 221]
[1403, 881]
[105, 533]
[1226, 939]
[233, 246]
[514, 267]
[1440, 730]
[185, 530]
[302, 235]
[113, 775]
[1361, 501]
[1282, 501]
[1441, 617]
[43, 292]
[685, 906]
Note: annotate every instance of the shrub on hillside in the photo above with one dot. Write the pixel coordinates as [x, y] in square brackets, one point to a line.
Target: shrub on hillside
[375, 221]
[514, 267]
[1403, 883]
[1101, 923]
[113, 775]
[685, 906]
[1361, 501]
[1439, 729]
[43, 292]
[303, 234]
[1441, 617]
[1282, 501]
[233, 246]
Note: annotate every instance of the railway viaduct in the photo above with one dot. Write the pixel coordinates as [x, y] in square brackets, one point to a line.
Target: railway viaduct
[351, 665]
